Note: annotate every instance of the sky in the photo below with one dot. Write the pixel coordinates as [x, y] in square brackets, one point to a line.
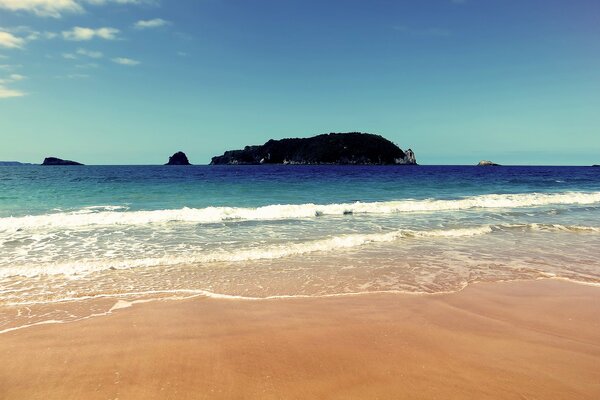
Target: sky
[133, 81]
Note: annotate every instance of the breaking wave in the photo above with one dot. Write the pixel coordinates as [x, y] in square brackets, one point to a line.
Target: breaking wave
[269, 252]
[118, 215]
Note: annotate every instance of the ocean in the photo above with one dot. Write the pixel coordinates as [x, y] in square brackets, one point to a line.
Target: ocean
[76, 242]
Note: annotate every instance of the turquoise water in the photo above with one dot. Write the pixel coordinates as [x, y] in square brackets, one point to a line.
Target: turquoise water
[72, 233]
[38, 190]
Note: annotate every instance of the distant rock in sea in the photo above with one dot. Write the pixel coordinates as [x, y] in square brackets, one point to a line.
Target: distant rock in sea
[178, 158]
[486, 163]
[58, 161]
[12, 163]
[596, 165]
[353, 148]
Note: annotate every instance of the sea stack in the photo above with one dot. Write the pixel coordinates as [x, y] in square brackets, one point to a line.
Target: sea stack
[178, 158]
[352, 148]
[59, 161]
[486, 163]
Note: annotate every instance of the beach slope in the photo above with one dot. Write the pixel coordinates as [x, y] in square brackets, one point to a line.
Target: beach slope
[519, 340]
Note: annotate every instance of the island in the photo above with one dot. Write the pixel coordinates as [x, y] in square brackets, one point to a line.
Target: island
[12, 164]
[352, 148]
[178, 158]
[59, 161]
[486, 163]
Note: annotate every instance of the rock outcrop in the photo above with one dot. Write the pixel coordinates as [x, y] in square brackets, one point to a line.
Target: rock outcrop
[352, 148]
[178, 158]
[486, 163]
[59, 161]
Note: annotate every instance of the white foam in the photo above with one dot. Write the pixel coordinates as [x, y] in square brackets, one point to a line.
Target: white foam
[333, 243]
[563, 228]
[77, 268]
[115, 215]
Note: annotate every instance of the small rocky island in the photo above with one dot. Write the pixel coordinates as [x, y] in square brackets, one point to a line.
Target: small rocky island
[353, 148]
[486, 163]
[59, 161]
[178, 158]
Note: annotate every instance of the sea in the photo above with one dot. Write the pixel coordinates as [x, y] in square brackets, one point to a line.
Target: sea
[81, 242]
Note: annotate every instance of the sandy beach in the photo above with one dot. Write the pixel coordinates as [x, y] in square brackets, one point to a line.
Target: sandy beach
[519, 340]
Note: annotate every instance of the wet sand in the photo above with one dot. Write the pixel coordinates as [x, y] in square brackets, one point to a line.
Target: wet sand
[519, 340]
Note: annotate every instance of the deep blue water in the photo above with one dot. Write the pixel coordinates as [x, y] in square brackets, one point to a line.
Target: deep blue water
[37, 190]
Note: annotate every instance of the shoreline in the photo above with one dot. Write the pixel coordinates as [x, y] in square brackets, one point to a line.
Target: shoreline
[533, 339]
[120, 303]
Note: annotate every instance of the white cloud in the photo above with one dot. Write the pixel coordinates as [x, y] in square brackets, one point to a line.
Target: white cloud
[56, 8]
[6, 93]
[16, 77]
[126, 61]
[12, 78]
[10, 41]
[79, 33]
[35, 35]
[90, 53]
[23, 34]
[150, 23]
[69, 56]
[42, 8]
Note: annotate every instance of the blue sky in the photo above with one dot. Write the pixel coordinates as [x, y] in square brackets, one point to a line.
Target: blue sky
[132, 81]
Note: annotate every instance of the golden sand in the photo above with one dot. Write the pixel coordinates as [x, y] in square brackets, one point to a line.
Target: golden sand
[520, 340]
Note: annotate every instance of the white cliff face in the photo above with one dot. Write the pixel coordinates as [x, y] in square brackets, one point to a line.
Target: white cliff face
[408, 159]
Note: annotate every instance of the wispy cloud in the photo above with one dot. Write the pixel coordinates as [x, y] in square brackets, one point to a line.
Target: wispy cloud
[79, 33]
[43, 8]
[12, 78]
[57, 8]
[25, 33]
[16, 77]
[10, 67]
[150, 23]
[10, 41]
[72, 76]
[87, 65]
[35, 35]
[6, 92]
[126, 61]
[90, 53]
